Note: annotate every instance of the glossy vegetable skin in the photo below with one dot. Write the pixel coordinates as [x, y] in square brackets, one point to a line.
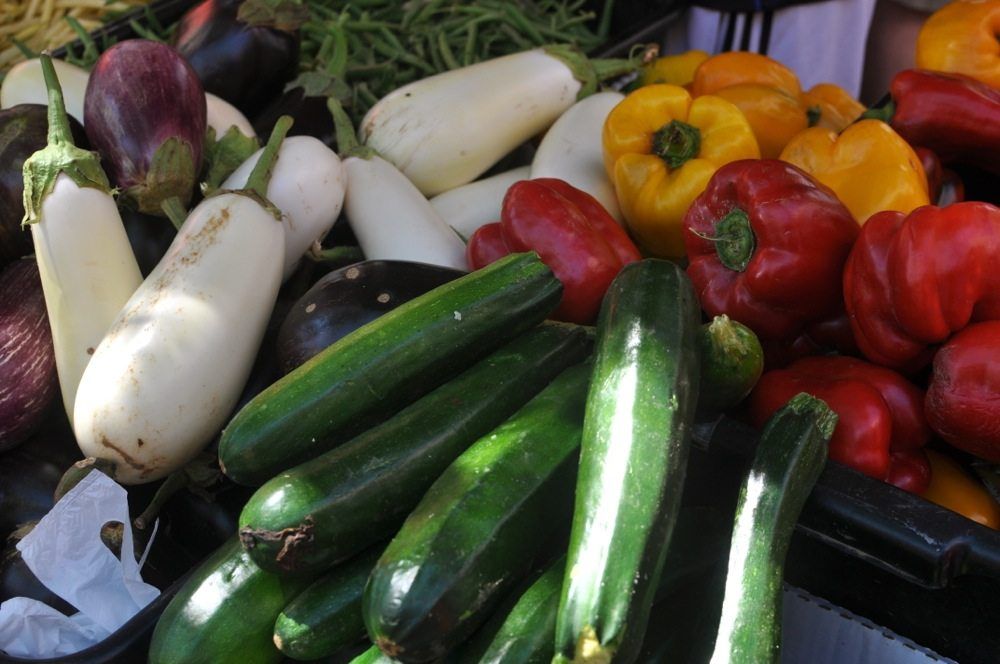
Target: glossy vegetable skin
[224, 613]
[633, 460]
[23, 131]
[244, 63]
[383, 366]
[789, 458]
[766, 246]
[147, 122]
[954, 488]
[964, 389]
[912, 281]
[732, 361]
[329, 508]
[880, 414]
[28, 380]
[571, 231]
[345, 299]
[479, 528]
[326, 616]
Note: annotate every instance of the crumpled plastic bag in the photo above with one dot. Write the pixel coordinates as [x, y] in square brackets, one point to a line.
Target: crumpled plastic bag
[67, 555]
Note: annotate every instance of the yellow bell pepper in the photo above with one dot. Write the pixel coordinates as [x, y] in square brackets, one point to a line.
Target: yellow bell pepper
[660, 150]
[953, 488]
[868, 166]
[738, 67]
[774, 116]
[673, 69]
[961, 37]
[832, 106]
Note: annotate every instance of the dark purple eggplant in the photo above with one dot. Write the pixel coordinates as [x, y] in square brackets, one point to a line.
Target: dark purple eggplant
[149, 236]
[310, 113]
[345, 299]
[28, 380]
[144, 111]
[23, 131]
[240, 54]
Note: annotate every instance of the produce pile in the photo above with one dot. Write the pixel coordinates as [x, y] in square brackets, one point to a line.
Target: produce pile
[442, 298]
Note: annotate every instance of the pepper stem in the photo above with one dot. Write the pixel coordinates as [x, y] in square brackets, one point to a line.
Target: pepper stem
[883, 110]
[677, 142]
[734, 240]
[260, 176]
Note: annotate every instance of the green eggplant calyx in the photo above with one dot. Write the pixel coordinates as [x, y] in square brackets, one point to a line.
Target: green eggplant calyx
[171, 174]
[61, 155]
[224, 155]
[589, 72]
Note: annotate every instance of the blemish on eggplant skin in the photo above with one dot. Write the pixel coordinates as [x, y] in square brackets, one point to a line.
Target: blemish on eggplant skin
[140, 442]
[353, 273]
[310, 307]
[90, 351]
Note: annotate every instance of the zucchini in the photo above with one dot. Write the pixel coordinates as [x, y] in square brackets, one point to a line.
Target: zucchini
[732, 360]
[381, 367]
[633, 460]
[788, 461]
[327, 509]
[372, 656]
[480, 527]
[224, 612]
[326, 617]
[525, 633]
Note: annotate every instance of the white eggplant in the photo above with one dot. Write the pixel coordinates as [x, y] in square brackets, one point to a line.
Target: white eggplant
[472, 205]
[25, 84]
[87, 267]
[307, 185]
[222, 115]
[170, 370]
[390, 217]
[446, 130]
[393, 221]
[571, 150]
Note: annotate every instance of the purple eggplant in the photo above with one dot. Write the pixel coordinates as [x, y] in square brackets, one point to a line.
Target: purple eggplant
[28, 379]
[144, 111]
[242, 51]
[23, 131]
[345, 299]
[311, 115]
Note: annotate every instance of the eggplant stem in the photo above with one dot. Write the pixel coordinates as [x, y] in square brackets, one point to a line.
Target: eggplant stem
[59, 131]
[174, 209]
[260, 176]
[176, 481]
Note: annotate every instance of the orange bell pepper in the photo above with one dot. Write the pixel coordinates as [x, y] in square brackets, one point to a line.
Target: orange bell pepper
[832, 106]
[765, 90]
[961, 38]
[954, 489]
[774, 116]
[868, 166]
[737, 67]
[673, 69]
[660, 150]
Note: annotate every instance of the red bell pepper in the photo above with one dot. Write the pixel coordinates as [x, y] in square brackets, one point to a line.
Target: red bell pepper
[944, 186]
[963, 398]
[951, 114]
[913, 281]
[881, 426]
[766, 245]
[570, 231]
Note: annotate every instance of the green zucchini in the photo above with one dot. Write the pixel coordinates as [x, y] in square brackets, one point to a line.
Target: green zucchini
[327, 509]
[480, 527]
[525, 634]
[384, 365]
[633, 460]
[224, 612]
[788, 461]
[326, 617]
[732, 360]
[373, 656]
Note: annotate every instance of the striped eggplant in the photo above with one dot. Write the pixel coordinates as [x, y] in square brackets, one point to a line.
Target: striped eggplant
[27, 362]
